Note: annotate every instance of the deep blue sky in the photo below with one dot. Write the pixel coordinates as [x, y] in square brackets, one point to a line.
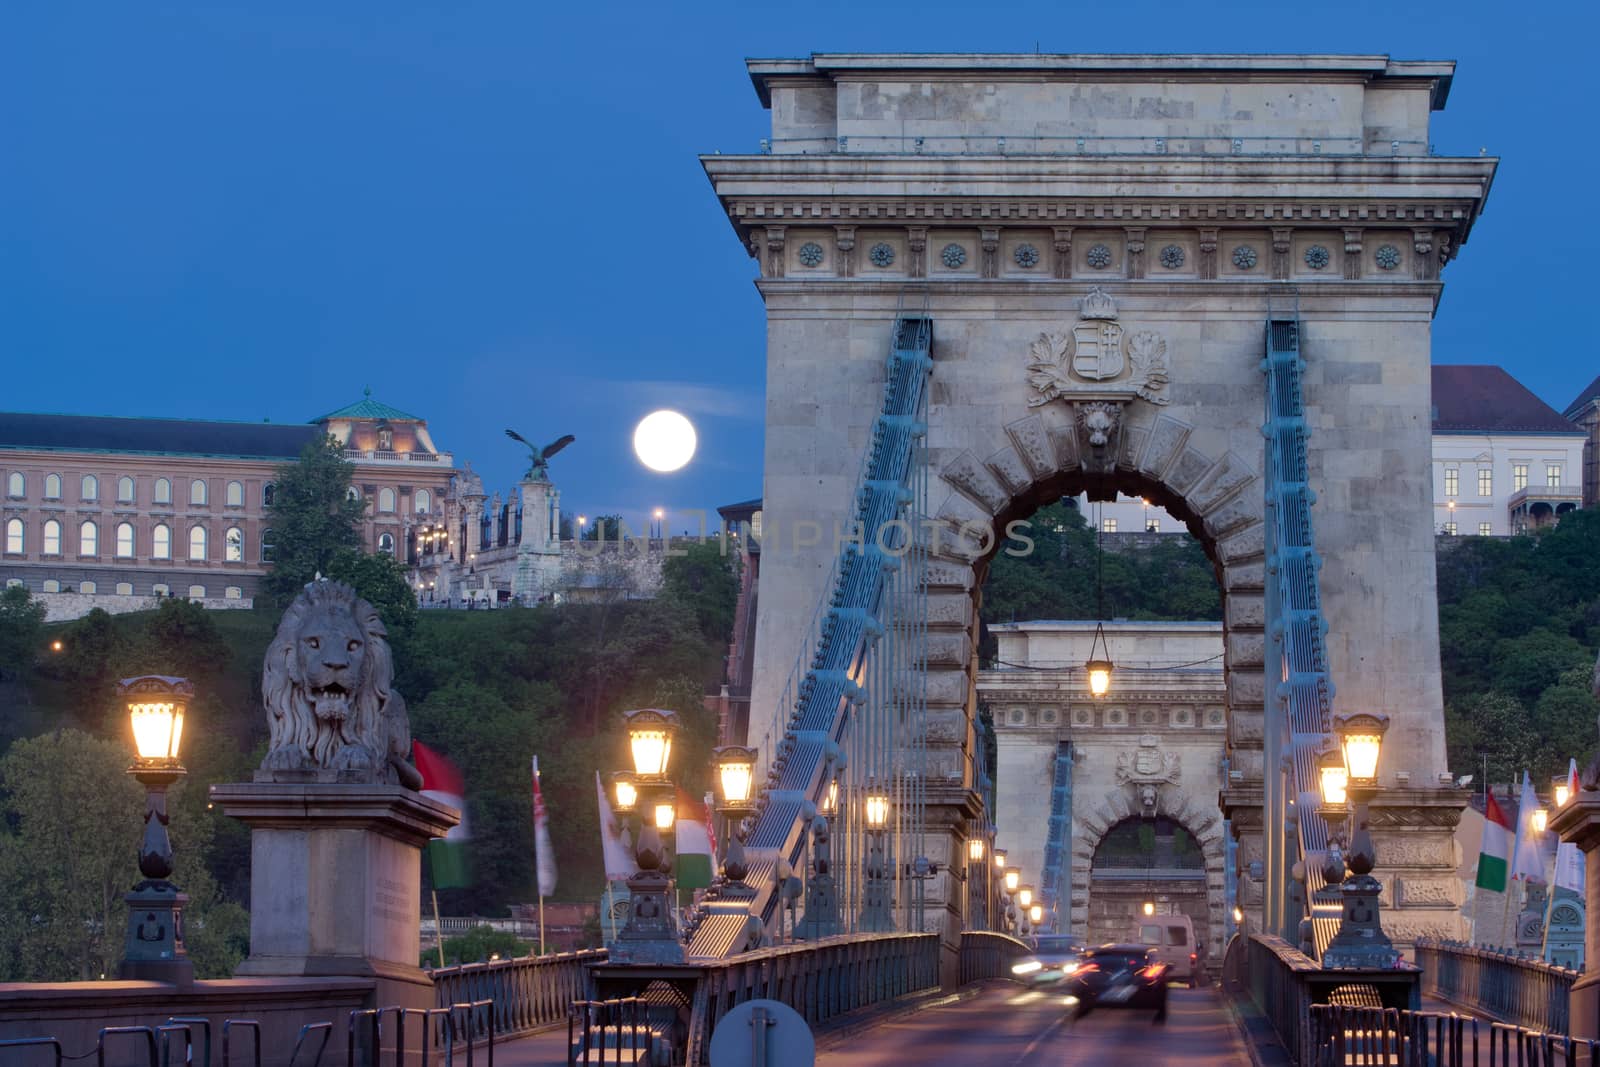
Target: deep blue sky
[494, 215]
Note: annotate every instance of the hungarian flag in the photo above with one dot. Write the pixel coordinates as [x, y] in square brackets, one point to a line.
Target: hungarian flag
[1494, 854]
[694, 863]
[619, 868]
[1569, 861]
[441, 780]
[541, 838]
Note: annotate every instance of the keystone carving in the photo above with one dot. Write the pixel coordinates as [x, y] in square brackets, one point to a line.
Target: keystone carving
[1146, 768]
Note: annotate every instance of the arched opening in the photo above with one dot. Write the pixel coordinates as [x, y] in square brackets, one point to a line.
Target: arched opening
[1144, 864]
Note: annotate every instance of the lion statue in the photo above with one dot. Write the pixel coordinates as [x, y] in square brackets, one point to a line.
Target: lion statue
[326, 685]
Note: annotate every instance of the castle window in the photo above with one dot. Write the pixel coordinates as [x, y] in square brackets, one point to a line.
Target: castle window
[16, 485]
[197, 543]
[52, 538]
[233, 545]
[124, 490]
[197, 492]
[124, 540]
[163, 493]
[14, 541]
[161, 541]
[52, 487]
[88, 539]
[91, 487]
[235, 497]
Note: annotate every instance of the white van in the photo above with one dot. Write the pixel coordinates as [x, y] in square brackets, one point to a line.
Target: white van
[1172, 938]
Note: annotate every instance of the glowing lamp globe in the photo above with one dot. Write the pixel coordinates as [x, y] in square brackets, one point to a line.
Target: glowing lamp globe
[830, 802]
[877, 811]
[1540, 819]
[1099, 676]
[156, 705]
[1013, 879]
[1025, 896]
[1149, 908]
[1000, 858]
[666, 816]
[650, 733]
[736, 771]
[975, 849]
[664, 441]
[1561, 788]
[1036, 914]
[1334, 779]
[627, 793]
[1361, 736]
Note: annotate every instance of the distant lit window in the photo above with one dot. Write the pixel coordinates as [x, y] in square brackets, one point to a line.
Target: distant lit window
[1519, 477]
[233, 545]
[197, 491]
[52, 538]
[161, 541]
[268, 491]
[197, 592]
[386, 440]
[13, 583]
[88, 587]
[386, 499]
[14, 542]
[125, 540]
[1152, 526]
[163, 493]
[1452, 481]
[1450, 528]
[52, 487]
[386, 543]
[197, 542]
[90, 486]
[1485, 529]
[267, 546]
[51, 585]
[161, 589]
[88, 539]
[124, 588]
[424, 501]
[1485, 481]
[124, 490]
[233, 592]
[1108, 525]
[16, 485]
[235, 495]
[1552, 476]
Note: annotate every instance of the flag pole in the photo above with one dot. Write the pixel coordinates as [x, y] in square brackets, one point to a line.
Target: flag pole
[438, 927]
[541, 924]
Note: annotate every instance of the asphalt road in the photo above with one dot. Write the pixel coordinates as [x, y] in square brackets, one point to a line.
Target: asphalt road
[1006, 1026]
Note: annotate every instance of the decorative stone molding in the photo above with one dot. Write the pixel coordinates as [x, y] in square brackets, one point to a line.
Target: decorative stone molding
[1135, 248]
[1318, 257]
[1208, 253]
[917, 246]
[1352, 254]
[810, 254]
[881, 255]
[775, 251]
[1062, 236]
[1245, 258]
[1422, 264]
[1146, 769]
[989, 257]
[1098, 256]
[844, 241]
[1282, 238]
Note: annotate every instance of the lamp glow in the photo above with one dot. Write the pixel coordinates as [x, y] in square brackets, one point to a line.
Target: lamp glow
[1149, 908]
[1334, 779]
[1361, 736]
[1099, 677]
[1562, 789]
[830, 802]
[627, 792]
[650, 732]
[1025, 896]
[736, 770]
[1238, 916]
[157, 730]
[1036, 914]
[1013, 879]
[1000, 858]
[664, 441]
[1540, 819]
[975, 849]
[666, 816]
[877, 810]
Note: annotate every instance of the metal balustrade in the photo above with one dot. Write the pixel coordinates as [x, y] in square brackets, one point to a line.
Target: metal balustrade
[1357, 1037]
[528, 993]
[1277, 979]
[1511, 988]
[986, 955]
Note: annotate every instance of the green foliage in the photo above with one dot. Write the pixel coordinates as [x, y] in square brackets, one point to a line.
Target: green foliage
[313, 519]
[701, 577]
[476, 945]
[21, 631]
[381, 581]
[604, 528]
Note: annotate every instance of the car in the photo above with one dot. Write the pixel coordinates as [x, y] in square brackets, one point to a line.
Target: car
[1054, 957]
[1172, 938]
[1118, 976]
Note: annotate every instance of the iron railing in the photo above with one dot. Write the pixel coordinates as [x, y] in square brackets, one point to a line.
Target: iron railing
[1513, 989]
[986, 955]
[821, 980]
[528, 993]
[1342, 1036]
[616, 1029]
[1277, 976]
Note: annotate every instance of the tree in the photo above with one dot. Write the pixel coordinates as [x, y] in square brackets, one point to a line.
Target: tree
[604, 528]
[380, 579]
[21, 631]
[313, 517]
[702, 579]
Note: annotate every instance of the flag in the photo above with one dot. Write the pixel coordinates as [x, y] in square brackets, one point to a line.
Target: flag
[619, 867]
[541, 838]
[1569, 861]
[441, 781]
[694, 846]
[1527, 864]
[1495, 851]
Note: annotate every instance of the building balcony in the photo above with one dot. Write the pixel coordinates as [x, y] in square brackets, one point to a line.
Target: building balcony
[398, 459]
[1538, 506]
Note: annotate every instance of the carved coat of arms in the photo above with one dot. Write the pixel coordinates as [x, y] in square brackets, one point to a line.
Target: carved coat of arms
[1098, 357]
[1146, 768]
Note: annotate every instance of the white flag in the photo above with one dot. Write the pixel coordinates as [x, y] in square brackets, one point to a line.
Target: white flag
[1526, 862]
[1569, 860]
[545, 856]
[619, 868]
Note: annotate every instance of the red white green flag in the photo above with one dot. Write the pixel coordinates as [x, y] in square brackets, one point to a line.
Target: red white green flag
[546, 856]
[441, 781]
[1494, 855]
[694, 863]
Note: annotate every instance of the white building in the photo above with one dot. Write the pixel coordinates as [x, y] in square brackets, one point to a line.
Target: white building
[1503, 461]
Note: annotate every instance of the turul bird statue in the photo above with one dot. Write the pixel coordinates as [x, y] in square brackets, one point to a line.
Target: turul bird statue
[539, 465]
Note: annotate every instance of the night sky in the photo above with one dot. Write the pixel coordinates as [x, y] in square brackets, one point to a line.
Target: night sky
[493, 214]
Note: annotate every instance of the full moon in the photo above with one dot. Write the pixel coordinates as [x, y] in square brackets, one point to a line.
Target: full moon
[664, 441]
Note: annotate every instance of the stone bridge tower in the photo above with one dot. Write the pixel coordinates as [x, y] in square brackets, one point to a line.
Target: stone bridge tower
[1097, 240]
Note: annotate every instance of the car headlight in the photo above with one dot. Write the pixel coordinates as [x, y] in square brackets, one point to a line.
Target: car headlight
[1026, 967]
[1069, 968]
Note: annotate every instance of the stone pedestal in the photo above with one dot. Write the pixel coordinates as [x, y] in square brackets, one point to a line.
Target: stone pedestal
[539, 551]
[1579, 823]
[335, 881]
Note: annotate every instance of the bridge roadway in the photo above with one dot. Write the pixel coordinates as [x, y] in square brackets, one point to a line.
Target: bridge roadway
[1002, 1026]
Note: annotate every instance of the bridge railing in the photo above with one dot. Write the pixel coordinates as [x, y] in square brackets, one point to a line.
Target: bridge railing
[1510, 988]
[1279, 982]
[821, 980]
[1342, 1035]
[985, 955]
[526, 993]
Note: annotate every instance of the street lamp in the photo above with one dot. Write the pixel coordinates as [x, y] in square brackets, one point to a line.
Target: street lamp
[1334, 779]
[1561, 789]
[650, 733]
[875, 915]
[626, 792]
[975, 849]
[651, 933]
[1025, 897]
[1000, 858]
[1036, 914]
[1149, 908]
[1013, 879]
[1099, 665]
[735, 771]
[154, 949]
[666, 815]
[1360, 941]
[1540, 819]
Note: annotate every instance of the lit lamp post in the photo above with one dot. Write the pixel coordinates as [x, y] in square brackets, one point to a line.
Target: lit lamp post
[1361, 942]
[651, 934]
[1333, 779]
[977, 872]
[875, 913]
[1099, 666]
[735, 766]
[154, 949]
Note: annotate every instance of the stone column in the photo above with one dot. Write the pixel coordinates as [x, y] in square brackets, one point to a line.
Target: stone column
[1579, 823]
[539, 552]
[1413, 832]
[336, 880]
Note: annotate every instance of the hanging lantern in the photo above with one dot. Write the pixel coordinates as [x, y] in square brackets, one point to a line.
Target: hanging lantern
[1099, 665]
[877, 811]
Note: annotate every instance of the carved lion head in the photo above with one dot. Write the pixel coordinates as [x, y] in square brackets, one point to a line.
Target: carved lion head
[326, 679]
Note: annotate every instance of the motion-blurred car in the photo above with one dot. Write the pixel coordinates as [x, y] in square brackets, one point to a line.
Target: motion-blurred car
[1054, 957]
[1172, 938]
[1119, 976]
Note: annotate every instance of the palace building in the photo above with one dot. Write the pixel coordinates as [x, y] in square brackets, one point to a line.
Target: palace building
[117, 512]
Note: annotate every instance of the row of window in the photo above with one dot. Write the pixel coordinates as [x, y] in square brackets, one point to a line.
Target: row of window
[127, 541]
[1484, 529]
[1150, 525]
[196, 592]
[199, 492]
[1519, 479]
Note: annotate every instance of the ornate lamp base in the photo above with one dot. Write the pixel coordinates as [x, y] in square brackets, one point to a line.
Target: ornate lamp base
[651, 935]
[1360, 943]
[153, 950]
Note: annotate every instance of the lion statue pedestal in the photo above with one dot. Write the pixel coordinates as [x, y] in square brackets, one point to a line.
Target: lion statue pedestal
[336, 825]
